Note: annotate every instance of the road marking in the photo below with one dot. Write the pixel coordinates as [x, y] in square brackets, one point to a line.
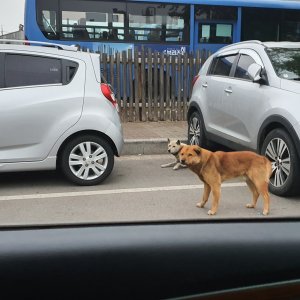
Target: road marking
[119, 191]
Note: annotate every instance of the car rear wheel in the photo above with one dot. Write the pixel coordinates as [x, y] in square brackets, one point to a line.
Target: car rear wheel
[195, 130]
[87, 160]
[278, 147]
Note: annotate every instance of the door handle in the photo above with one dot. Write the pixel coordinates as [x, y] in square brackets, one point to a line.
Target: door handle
[228, 90]
[204, 85]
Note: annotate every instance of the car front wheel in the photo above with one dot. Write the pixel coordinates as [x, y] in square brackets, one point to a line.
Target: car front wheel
[279, 148]
[87, 160]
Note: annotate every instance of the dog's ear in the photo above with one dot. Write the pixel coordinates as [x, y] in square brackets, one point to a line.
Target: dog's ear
[198, 150]
[178, 142]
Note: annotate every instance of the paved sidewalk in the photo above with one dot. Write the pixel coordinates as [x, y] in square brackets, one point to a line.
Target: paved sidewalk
[151, 137]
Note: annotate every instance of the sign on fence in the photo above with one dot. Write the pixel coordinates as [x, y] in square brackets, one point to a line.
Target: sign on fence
[152, 86]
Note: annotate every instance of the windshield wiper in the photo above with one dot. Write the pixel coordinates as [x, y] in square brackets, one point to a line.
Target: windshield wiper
[297, 79]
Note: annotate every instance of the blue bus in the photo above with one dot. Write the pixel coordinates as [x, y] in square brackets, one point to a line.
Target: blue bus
[171, 27]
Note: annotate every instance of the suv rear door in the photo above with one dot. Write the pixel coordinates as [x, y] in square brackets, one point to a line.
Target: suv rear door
[39, 102]
[216, 80]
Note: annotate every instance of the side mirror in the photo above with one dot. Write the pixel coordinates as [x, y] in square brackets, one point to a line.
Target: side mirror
[254, 72]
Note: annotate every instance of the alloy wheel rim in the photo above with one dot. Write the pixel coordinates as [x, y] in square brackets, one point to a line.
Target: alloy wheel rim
[194, 130]
[278, 153]
[88, 160]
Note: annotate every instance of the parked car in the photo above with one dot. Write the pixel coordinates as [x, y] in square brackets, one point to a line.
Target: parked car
[247, 95]
[56, 111]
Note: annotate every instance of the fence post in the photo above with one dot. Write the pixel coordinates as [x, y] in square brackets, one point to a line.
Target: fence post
[104, 64]
[119, 83]
[155, 96]
[150, 85]
[179, 106]
[191, 73]
[143, 84]
[185, 85]
[130, 76]
[198, 60]
[173, 96]
[167, 83]
[112, 70]
[136, 85]
[124, 66]
[161, 85]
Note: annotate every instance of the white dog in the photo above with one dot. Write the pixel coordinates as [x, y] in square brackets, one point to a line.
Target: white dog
[174, 147]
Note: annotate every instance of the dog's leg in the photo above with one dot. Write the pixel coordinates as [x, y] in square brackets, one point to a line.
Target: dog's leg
[206, 193]
[265, 193]
[177, 165]
[254, 192]
[216, 191]
[169, 165]
[262, 188]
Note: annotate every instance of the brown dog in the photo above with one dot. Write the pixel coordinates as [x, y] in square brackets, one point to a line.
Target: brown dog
[215, 167]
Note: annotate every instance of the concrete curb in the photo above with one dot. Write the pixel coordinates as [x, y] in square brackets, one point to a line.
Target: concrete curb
[147, 146]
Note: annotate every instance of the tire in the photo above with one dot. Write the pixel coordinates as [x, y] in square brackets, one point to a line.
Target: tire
[90, 167]
[279, 148]
[196, 135]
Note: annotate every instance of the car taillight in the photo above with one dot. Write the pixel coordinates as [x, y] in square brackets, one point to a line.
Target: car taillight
[195, 79]
[109, 95]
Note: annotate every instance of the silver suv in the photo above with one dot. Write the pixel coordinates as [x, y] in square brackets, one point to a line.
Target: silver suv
[247, 96]
[56, 111]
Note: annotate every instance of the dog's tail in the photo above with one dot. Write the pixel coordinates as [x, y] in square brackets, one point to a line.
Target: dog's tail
[269, 170]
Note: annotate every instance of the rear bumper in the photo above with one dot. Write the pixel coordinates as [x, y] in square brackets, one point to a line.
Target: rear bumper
[115, 132]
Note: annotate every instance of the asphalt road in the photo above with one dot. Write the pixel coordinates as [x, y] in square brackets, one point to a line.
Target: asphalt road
[137, 190]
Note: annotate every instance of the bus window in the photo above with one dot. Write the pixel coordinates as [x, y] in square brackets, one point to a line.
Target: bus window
[270, 24]
[158, 22]
[115, 21]
[49, 23]
[207, 12]
[47, 18]
[92, 20]
[215, 33]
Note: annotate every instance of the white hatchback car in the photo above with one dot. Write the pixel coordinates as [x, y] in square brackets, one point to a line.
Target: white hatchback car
[247, 96]
[56, 111]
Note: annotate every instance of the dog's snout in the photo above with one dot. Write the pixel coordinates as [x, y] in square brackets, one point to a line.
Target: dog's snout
[182, 161]
[169, 150]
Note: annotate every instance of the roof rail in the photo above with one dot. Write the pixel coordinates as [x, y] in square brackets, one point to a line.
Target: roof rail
[244, 42]
[29, 43]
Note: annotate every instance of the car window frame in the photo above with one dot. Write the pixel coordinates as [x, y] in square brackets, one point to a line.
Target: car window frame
[236, 65]
[254, 55]
[225, 54]
[32, 55]
[65, 63]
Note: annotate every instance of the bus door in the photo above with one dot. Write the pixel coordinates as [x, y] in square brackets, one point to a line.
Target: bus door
[215, 27]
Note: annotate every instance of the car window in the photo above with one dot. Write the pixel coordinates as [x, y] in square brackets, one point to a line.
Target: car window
[27, 70]
[69, 70]
[222, 65]
[286, 62]
[242, 67]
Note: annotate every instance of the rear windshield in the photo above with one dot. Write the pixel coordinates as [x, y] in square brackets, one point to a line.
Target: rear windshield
[286, 62]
